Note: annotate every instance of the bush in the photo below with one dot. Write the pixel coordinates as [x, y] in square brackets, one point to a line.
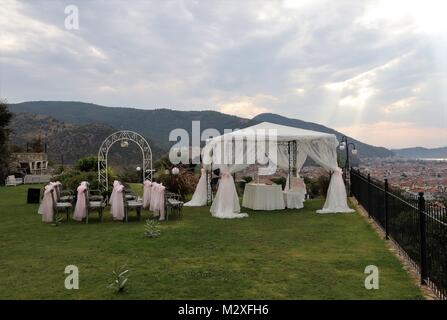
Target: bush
[313, 188]
[184, 183]
[71, 179]
[318, 187]
[280, 180]
[87, 164]
[323, 182]
[247, 179]
[130, 175]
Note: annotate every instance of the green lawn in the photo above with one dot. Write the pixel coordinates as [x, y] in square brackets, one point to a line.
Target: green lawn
[294, 254]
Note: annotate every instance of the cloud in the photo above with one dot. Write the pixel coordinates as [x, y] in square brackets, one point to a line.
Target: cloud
[397, 135]
[247, 107]
[342, 64]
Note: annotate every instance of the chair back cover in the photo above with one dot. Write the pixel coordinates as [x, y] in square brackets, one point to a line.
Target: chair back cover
[147, 188]
[117, 202]
[46, 206]
[80, 211]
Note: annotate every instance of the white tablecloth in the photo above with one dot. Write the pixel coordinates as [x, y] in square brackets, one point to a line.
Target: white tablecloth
[293, 199]
[263, 197]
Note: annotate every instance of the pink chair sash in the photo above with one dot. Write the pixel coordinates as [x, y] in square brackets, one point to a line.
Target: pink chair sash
[117, 203]
[80, 211]
[46, 206]
[147, 193]
[157, 200]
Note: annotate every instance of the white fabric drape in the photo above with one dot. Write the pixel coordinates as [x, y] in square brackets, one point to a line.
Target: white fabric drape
[157, 200]
[147, 188]
[234, 151]
[199, 197]
[226, 203]
[116, 183]
[293, 199]
[324, 153]
[117, 202]
[336, 195]
[46, 206]
[80, 211]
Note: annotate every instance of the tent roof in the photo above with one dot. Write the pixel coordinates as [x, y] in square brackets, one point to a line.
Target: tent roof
[284, 133]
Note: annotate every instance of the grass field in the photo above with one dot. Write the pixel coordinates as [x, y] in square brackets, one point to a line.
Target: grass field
[293, 254]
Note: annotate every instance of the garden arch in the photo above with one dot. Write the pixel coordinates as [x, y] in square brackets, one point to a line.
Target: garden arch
[124, 136]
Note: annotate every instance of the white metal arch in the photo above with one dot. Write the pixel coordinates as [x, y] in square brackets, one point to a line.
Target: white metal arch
[124, 135]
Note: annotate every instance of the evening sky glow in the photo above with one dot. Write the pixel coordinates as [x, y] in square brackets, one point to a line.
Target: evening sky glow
[375, 70]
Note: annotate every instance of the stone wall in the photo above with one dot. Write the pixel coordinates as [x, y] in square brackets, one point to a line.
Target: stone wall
[25, 157]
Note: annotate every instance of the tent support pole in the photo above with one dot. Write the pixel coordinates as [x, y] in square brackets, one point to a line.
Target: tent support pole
[288, 150]
[294, 157]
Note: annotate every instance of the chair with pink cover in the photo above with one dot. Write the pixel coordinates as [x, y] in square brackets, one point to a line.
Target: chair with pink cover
[160, 202]
[147, 185]
[154, 195]
[115, 184]
[58, 188]
[80, 211]
[117, 202]
[46, 205]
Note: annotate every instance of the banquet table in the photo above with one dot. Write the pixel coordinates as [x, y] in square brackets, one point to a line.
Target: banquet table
[263, 197]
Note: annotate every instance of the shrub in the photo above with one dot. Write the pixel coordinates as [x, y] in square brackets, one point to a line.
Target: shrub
[152, 229]
[280, 180]
[318, 187]
[129, 174]
[184, 183]
[323, 182]
[119, 279]
[71, 178]
[247, 179]
[313, 188]
[87, 164]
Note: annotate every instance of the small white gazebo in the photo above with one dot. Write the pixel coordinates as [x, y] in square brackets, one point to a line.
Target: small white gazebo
[271, 146]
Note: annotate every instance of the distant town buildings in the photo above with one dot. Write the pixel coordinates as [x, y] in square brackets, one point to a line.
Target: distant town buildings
[413, 176]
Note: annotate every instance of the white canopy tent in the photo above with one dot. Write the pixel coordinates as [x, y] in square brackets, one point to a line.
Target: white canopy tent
[273, 146]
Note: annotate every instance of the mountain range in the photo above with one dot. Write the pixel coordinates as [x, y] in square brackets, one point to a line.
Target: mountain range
[85, 125]
[68, 140]
[422, 153]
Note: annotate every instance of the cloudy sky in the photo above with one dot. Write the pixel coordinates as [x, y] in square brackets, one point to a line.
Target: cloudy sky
[376, 70]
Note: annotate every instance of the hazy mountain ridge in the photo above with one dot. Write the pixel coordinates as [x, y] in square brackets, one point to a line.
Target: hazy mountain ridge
[70, 140]
[364, 150]
[422, 153]
[157, 124]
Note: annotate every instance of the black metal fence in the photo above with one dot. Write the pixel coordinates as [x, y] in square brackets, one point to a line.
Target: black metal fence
[418, 227]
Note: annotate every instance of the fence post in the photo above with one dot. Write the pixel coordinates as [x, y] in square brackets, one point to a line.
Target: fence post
[369, 195]
[386, 210]
[350, 179]
[423, 235]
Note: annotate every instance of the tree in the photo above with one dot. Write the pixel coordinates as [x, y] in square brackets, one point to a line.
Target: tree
[5, 118]
[36, 145]
[87, 164]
